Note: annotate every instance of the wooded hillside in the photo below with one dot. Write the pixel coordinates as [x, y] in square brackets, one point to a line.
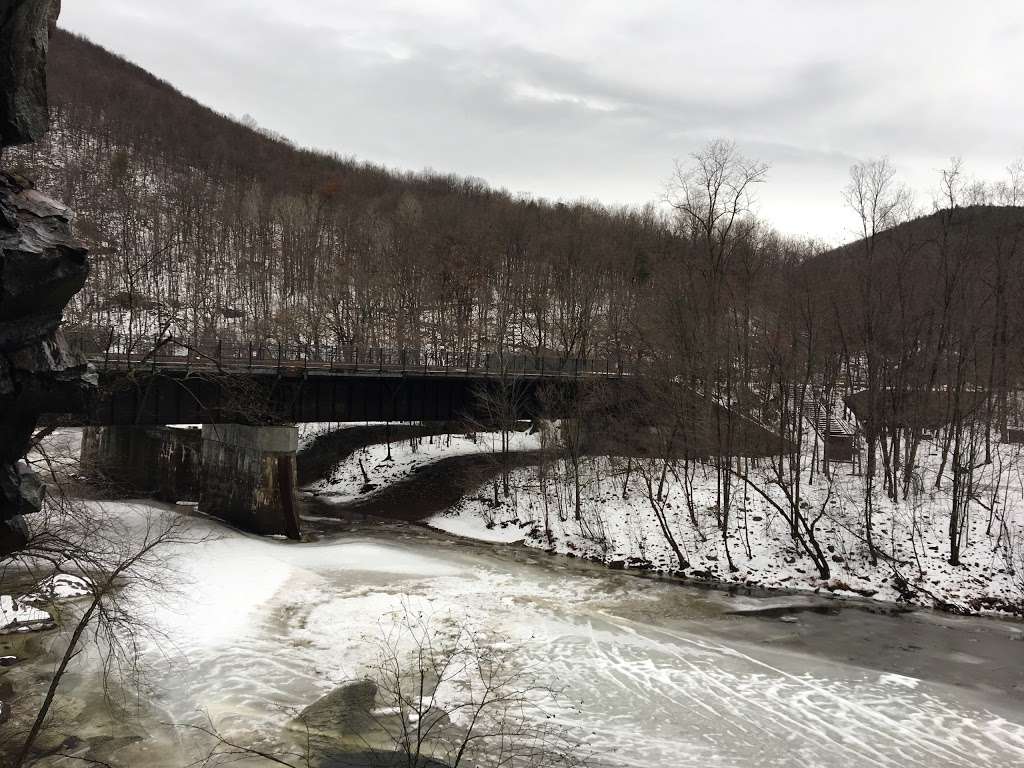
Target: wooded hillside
[205, 226]
[202, 227]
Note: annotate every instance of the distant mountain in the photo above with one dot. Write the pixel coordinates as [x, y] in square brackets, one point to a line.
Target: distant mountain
[103, 93]
[980, 229]
[971, 258]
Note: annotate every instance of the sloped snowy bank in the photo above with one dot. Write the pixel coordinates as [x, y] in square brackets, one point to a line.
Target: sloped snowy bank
[384, 466]
[619, 525]
[625, 524]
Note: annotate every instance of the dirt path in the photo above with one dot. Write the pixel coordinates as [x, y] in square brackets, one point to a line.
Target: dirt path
[433, 488]
[317, 459]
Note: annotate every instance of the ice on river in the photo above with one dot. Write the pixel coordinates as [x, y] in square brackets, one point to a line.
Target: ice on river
[263, 627]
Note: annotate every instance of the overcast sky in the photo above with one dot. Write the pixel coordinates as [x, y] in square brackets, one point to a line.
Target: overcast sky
[595, 99]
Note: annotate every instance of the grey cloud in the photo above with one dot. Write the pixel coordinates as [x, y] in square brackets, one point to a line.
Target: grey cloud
[410, 87]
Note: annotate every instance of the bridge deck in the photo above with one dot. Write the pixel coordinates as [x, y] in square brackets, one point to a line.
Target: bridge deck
[112, 351]
[142, 364]
[243, 384]
[153, 390]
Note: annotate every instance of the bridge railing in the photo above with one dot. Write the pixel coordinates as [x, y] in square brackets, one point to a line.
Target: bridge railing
[114, 350]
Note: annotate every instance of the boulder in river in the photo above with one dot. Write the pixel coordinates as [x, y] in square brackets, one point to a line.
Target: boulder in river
[345, 711]
[349, 725]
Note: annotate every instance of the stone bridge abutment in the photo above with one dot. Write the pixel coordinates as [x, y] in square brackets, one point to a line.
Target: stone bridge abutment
[241, 474]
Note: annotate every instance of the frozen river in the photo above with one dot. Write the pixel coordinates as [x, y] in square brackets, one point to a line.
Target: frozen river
[665, 675]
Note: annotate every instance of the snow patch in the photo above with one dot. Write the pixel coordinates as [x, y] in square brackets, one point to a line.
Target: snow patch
[900, 681]
[61, 586]
[474, 527]
[15, 616]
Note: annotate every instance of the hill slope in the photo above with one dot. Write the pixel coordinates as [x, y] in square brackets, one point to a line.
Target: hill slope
[957, 272]
[203, 226]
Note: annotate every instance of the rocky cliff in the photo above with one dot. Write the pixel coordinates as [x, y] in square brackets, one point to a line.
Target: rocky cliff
[41, 267]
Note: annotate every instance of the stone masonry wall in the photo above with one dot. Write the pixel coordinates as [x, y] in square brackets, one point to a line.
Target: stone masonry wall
[248, 477]
[163, 462]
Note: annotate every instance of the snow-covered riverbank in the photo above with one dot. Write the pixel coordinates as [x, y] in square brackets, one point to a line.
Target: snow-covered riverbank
[626, 525]
[374, 467]
[624, 531]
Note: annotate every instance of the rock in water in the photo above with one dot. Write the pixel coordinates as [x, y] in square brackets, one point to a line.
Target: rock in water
[348, 728]
[41, 267]
[343, 712]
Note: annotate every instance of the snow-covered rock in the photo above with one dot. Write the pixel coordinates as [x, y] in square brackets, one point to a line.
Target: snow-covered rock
[16, 616]
[61, 586]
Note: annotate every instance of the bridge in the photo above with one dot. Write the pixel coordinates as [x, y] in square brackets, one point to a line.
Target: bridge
[230, 382]
[248, 397]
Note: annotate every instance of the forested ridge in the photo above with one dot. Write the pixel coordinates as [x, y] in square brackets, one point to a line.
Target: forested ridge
[224, 226]
[202, 227]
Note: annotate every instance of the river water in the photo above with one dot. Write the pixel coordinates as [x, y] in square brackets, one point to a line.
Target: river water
[663, 674]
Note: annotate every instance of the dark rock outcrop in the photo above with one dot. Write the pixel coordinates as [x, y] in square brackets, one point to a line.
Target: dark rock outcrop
[41, 267]
[25, 29]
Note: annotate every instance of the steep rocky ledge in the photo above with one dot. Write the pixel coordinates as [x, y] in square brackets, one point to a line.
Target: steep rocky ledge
[41, 267]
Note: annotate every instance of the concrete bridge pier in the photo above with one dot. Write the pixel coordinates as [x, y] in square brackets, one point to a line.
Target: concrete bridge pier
[151, 461]
[248, 477]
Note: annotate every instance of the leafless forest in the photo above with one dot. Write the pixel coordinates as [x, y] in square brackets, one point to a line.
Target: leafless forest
[206, 227]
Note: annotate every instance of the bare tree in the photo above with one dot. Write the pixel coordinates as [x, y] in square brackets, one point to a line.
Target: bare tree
[713, 196]
[113, 560]
[879, 202]
[437, 693]
[500, 404]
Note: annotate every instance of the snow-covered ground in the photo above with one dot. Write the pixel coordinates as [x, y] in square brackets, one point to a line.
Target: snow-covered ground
[18, 616]
[310, 431]
[623, 530]
[60, 452]
[60, 586]
[18, 613]
[346, 481]
[477, 522]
